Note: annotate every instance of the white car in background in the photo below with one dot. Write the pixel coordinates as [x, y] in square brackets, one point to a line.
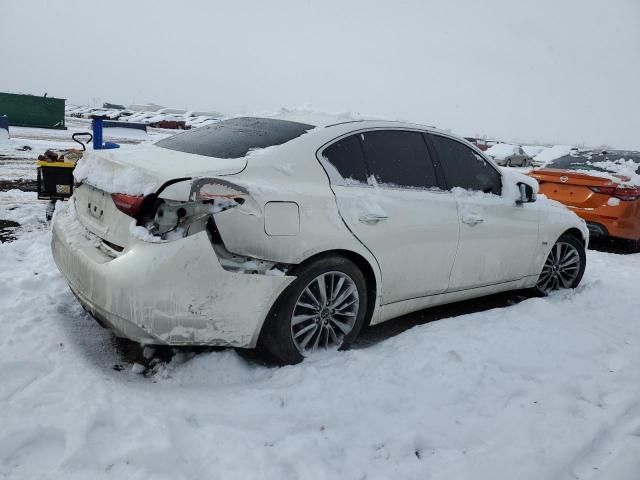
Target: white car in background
[294, 235]
[507, 155]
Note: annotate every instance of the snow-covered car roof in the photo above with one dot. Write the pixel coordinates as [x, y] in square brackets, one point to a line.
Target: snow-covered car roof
[503, 150]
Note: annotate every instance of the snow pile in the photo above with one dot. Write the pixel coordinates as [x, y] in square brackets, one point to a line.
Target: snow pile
[547, 388]
[23, 208]
[111, 176]
[533, 150]
[551, 153]
[623, 169]
[501, 151]
[4, 136]
[142, 234]
[315, 117]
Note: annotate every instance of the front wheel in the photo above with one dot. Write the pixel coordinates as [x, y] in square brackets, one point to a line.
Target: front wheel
[324, 308]
[564, 266]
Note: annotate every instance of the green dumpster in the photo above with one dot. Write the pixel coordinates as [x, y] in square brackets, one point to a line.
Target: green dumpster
[32, 111]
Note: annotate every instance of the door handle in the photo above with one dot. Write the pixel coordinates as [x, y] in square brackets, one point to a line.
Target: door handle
[471, 220]
[372, 218]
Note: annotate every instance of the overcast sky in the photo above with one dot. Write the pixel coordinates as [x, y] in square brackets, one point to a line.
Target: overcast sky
[562, 71]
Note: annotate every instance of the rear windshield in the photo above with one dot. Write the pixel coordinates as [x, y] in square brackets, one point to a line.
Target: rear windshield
[610, 161]
[234, 138]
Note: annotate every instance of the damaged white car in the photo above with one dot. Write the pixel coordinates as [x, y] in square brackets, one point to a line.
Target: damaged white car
[294, 235]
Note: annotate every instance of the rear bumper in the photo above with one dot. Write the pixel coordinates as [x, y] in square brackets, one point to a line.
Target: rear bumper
[173, 293]
[612, 221]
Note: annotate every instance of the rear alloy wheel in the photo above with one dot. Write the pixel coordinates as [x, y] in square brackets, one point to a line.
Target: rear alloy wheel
[564, 266]
[324, 308]
[325, 312]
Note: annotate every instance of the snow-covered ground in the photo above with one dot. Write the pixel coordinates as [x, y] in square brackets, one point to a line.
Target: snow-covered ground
[545, 388]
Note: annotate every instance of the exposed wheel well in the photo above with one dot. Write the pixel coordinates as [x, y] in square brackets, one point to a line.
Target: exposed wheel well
[576, 233]
[364, 266]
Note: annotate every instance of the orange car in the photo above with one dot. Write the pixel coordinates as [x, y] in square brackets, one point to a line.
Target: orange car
[602, 188]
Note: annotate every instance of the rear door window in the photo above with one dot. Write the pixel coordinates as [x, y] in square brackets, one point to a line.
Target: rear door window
[234, 138]
[398, 158]
[347, 158]
[464, 168]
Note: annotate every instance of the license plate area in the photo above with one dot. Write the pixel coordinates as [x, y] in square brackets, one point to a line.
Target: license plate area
[94, 204]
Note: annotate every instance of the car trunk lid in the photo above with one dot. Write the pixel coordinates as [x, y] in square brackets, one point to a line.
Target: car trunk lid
[143, 169]
[136, 171]
[573, 188]
[98, 214]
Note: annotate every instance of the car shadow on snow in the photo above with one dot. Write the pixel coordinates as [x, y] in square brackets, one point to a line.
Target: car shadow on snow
[382, 331]
[100, 347]
[613, 245]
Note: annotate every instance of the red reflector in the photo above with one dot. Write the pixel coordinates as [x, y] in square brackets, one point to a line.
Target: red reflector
[627, 193]
[129, 204]
[623, 193]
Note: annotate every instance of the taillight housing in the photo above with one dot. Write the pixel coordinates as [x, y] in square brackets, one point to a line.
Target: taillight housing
[128, 204]
[163, 219]
[626, 193]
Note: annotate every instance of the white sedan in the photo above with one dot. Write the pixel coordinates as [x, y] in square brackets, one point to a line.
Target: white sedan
[294, 235]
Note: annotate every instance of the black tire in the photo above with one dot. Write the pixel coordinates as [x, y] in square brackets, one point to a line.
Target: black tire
[277, 337]
[565, 240]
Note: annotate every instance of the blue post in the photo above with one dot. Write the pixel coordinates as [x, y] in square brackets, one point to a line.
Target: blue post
[96, 126]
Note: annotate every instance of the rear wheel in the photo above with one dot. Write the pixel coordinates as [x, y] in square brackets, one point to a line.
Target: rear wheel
[323, 308]
[564, 266]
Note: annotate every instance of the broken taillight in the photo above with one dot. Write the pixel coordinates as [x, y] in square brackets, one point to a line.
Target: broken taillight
[128, 204]
[620, 192]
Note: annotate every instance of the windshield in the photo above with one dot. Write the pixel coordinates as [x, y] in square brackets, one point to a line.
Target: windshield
[235, 137]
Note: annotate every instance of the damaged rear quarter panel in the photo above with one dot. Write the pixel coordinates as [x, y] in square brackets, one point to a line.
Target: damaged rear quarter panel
[177, 292]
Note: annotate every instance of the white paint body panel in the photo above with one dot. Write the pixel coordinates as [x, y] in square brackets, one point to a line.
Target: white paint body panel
[281, 219]
[496, 242]
[422, 254]
[163, 293]
[415, 239]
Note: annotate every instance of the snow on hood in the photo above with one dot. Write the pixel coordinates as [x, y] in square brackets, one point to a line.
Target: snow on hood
[141, 170]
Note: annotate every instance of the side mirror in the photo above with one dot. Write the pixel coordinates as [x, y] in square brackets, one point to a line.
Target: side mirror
[527, 194]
